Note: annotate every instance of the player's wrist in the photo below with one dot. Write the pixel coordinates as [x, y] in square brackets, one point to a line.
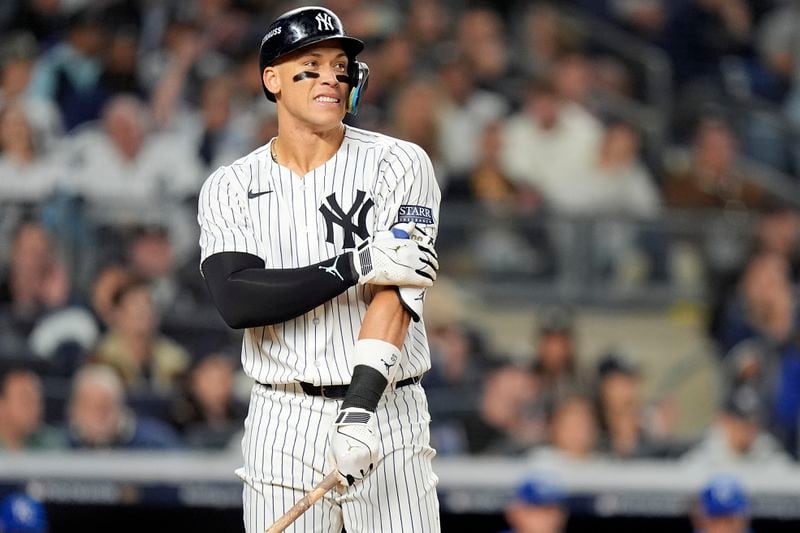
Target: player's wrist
[376, 363]
[349, 272]
[366, 389]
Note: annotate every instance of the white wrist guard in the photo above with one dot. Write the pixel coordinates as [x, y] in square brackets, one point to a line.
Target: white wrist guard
[381, 355]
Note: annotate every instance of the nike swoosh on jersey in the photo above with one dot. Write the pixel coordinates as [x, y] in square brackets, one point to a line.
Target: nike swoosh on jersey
[251, 194]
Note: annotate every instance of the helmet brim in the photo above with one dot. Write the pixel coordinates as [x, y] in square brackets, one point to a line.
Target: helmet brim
[351, 46]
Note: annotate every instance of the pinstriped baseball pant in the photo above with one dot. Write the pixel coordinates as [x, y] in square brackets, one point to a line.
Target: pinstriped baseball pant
[284, 448]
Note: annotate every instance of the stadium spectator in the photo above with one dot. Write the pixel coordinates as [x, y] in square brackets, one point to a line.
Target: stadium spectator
[464, 114]
[99, 419]
[121, 64]
[40, 311]
[511, 418]
[19, 513]
[152, 256]
[778, 232]
[134, 347]
[18, 52]
[737, 437]
[427, 25]
[762, 304]
[572, 434]
[206, 412]
[26, 174]
[555, 363]
[413, 113]
[573, 79]
[69, 72]
[127, 164]
[780, 51]
[550, 146]
[216, 137]
[618, 182]
[624, 430]
[170, 71]
[485, 183]
[22, 424]
[701, 32]
[539, 506]
[544, 36]
[711, 178]
[721, 507]
[34, 283]
[459, 363]
[480, 37]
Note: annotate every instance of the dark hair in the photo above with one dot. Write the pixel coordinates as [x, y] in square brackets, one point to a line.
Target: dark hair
[125, 288]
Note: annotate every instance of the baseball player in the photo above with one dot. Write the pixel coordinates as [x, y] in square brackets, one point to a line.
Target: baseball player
[319, 244]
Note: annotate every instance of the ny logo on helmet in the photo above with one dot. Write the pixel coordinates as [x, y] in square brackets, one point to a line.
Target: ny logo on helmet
[324, 22]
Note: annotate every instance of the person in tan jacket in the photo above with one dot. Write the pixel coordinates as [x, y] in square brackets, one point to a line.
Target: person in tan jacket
[133, 346]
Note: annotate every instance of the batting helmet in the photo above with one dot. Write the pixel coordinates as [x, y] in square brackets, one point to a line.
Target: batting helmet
[723, 495]
[306, 26]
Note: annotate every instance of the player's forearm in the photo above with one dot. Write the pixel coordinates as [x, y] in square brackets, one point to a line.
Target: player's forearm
[386, 318]
[249, 295]
[377, 353]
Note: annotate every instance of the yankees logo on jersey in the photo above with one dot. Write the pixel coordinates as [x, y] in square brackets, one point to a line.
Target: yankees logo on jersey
[372, 182]
[336, 215]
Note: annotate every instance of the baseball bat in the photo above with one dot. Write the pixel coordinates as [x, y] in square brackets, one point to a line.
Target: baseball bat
[305, 503]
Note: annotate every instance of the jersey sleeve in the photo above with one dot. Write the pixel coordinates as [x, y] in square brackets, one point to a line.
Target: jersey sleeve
[407, 190]
[225, 223]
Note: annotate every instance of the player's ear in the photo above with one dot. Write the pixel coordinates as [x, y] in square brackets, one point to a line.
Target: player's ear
[271, 80]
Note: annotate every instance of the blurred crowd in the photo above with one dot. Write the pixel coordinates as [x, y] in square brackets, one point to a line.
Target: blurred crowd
[113, 112]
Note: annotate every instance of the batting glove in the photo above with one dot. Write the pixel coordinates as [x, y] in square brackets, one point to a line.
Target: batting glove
[413, 298]
[354, 444]
[385, 259]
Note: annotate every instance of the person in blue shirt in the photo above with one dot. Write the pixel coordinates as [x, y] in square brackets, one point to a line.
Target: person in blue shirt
[538, 507]
[722, 507]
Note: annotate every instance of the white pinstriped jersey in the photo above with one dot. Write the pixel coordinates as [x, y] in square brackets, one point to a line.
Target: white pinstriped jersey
[259, 207]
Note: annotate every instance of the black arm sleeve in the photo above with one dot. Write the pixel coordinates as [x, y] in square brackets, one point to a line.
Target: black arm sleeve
[247, 295]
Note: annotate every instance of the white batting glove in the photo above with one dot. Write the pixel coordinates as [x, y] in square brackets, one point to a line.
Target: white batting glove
[354, 444]
[385, 259]
[413, 298]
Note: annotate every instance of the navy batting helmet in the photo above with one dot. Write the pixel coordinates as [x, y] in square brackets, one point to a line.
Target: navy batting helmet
[306, 26]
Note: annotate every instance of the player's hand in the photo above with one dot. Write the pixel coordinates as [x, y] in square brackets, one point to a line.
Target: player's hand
[354, 444]
[386, 259]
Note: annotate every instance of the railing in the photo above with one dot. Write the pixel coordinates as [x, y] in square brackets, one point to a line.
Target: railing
[466, 485]
[519, 259]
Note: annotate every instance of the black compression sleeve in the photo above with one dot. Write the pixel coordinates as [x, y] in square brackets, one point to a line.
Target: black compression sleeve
[248, 295]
